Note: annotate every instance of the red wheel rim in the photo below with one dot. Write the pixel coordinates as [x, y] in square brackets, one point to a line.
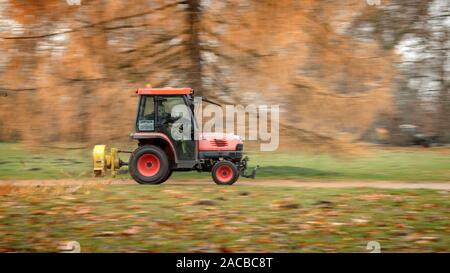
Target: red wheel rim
[224, 173]
[148, 165]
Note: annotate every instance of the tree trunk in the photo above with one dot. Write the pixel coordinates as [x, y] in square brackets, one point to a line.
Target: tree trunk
[443, 112]
[194, 13]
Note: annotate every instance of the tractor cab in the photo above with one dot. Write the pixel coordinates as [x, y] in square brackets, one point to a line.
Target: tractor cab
[169, 140]
[155, 121]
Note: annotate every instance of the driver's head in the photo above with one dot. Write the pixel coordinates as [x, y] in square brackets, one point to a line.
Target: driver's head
[161, 108]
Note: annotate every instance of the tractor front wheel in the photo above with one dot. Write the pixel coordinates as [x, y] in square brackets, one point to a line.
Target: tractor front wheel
[149, 165]
[225, 173]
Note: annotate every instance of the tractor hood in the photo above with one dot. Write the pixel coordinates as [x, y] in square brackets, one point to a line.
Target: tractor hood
[219, 142]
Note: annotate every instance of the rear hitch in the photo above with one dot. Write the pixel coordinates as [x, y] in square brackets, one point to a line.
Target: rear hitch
[252, 175]
[243, 171]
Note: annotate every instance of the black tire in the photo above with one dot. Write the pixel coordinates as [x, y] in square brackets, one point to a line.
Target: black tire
[169, 174]
[225, 173]
[141, 165]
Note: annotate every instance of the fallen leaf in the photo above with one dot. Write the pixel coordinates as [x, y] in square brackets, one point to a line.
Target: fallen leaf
[324, 204]
[84, 210]
[224, 249]
[204, 202]
[131, 231]
[284, 204]
[39, 212]
[360, 221]
[429, 238]
[134, 207]
[105, 234]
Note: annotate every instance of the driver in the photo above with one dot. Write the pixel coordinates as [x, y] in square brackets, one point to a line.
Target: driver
[163, 116]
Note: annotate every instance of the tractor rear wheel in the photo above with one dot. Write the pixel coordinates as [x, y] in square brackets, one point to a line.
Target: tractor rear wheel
[169, 174]
[149, 165]
[225, 173]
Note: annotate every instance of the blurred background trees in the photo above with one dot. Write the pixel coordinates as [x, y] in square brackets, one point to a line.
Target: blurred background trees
[418, 31]
[339, 70]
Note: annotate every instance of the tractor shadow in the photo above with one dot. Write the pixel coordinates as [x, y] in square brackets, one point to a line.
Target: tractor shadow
[290, 171]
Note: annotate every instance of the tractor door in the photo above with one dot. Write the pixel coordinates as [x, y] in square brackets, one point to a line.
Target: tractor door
[178, 127]
[145, 121]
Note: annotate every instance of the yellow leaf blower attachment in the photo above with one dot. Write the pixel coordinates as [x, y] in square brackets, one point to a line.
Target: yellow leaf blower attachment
[103, 161]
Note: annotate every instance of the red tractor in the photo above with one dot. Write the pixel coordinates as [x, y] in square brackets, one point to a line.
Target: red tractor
[161, 150]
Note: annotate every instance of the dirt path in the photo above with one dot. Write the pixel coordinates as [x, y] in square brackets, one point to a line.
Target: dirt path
[243, 182]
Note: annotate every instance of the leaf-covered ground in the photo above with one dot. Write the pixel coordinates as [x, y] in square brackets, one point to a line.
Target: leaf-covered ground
[171, 218]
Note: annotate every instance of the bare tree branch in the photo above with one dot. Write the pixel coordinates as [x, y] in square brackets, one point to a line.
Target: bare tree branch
[95, 24]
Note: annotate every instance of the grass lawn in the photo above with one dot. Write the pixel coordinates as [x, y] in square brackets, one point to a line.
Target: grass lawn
[170, 218]
[19, 162]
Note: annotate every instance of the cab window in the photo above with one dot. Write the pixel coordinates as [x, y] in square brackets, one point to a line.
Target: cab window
[164, 108]
[146, 115]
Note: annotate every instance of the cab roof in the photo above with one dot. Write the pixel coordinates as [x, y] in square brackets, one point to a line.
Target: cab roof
[164, 91]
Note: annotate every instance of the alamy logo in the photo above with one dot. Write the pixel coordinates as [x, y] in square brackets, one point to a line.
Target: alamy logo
[374, 246]
[373, 2]
[73, 2]
[230, 121]
[69, 247]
